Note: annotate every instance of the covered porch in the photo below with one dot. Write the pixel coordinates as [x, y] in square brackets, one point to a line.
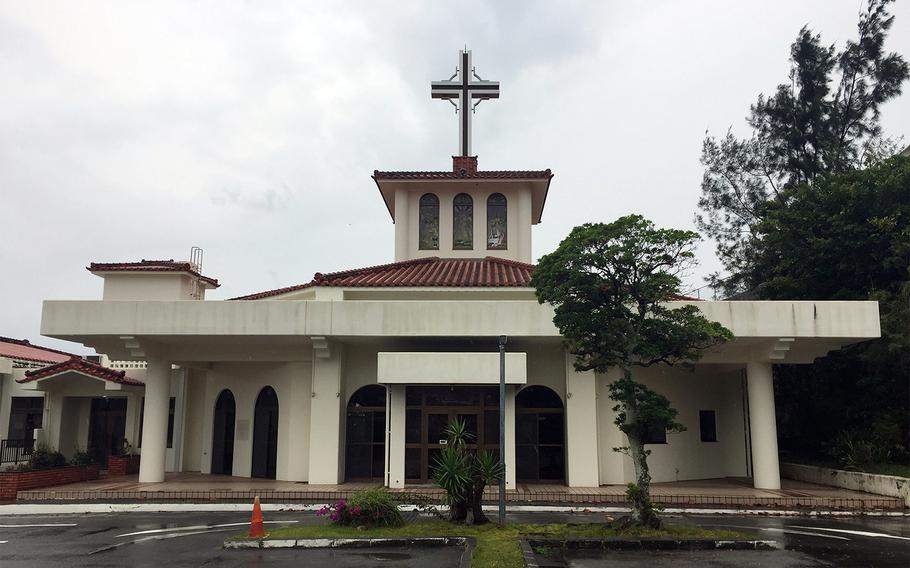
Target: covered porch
[288, 372]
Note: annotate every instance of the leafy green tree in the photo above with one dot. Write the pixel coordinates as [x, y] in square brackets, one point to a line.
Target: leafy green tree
[824, 119]
[609, 285]
[845, 237]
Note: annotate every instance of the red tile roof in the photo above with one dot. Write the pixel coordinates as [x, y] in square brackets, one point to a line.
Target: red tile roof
[423, 272]
[450, 175]
[82, 366]
[150, 266]
[22, 350]
[487, 272]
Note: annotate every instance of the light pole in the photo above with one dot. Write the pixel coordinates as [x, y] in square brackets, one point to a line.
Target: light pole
[502, 428]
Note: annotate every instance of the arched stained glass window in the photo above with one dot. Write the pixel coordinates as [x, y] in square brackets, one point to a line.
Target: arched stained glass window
[428, 231]
[496, 222]
[463, 222]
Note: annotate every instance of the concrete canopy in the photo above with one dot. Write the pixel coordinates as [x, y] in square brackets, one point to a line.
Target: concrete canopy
[778, 332]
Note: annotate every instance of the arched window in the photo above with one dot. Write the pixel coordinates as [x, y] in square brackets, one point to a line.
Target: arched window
[496, 222]
[539, 435]
[463, 222]
[428, 231]
[223, 434]
[365, 434]
[265, 434]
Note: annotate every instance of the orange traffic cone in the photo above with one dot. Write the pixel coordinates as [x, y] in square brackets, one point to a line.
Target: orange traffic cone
[256, 528]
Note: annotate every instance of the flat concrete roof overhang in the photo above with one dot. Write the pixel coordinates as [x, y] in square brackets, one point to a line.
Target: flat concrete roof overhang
[781, 331]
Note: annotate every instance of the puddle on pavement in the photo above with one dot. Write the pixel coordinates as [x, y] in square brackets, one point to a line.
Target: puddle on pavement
[387, 556]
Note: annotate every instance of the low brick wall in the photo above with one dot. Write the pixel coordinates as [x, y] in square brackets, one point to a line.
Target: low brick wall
[118, 466]
[11, 482]
[889, 485]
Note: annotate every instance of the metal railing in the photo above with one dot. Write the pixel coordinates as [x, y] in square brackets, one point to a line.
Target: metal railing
[15, 451]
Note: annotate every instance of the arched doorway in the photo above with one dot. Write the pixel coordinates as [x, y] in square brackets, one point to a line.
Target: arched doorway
[540, 441]
[223, 434]
[365, 434]
[265, 434]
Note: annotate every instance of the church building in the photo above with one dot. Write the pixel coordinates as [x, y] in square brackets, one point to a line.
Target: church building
[355, 375]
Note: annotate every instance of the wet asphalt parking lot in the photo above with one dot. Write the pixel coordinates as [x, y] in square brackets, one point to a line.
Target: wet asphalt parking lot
[194, 539]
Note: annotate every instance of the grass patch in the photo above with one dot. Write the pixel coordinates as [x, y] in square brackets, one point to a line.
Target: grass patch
[497, 546]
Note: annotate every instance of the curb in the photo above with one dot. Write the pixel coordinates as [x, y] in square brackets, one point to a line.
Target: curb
[654, 544]
[310, 543]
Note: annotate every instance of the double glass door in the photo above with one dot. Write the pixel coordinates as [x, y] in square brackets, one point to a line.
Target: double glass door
[430, 410]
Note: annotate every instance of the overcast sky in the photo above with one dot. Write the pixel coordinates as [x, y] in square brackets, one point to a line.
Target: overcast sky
[132, 131]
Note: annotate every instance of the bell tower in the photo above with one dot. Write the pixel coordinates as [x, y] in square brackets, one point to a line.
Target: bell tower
[465, 212]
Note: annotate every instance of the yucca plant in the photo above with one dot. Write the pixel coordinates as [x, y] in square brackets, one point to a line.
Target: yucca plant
[453, 473]
[463, 474]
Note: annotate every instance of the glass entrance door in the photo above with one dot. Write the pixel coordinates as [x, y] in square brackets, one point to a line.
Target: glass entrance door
[429, 412]
[107, 427]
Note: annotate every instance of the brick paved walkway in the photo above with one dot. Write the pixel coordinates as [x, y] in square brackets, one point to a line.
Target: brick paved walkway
[727, 492]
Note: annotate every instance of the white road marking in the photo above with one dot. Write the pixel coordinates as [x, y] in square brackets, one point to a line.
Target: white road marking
[3, 541]
[778, 530]
[154, 537]
[38, 525]
[201, 527]
[858, 533]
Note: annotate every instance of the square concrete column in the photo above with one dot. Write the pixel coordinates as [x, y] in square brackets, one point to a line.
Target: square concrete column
[763, 423]
[581, 427]
[396, 435]
[510, 437]
[325, 417]
[154, 420]
[298, 402]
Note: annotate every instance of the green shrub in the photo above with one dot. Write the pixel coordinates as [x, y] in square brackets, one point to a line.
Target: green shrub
[880, 443]
[44, 457]
[368, 508]
[81, 457]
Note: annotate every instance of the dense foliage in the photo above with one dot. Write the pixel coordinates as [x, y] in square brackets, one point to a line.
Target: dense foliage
[609, 285]
[824, 119]
[846, 237]
[810, 207]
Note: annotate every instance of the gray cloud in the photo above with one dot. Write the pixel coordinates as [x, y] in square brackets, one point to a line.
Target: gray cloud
[131, 130]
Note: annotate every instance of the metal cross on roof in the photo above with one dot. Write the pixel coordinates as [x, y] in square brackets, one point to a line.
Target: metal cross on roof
[463, 87]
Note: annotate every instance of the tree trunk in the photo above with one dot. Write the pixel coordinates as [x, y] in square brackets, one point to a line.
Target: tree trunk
[477, 502]
[643, 512]
[459, 511]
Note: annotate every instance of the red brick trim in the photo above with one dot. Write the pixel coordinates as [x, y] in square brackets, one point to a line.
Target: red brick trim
[11, 482]
[119, 466]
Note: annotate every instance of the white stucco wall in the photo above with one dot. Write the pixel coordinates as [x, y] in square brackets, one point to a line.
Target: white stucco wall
[450, 368]
[148, 286]
[291, 382]
[684, 456]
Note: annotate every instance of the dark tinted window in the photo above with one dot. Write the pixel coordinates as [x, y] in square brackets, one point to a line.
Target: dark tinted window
[707, 422]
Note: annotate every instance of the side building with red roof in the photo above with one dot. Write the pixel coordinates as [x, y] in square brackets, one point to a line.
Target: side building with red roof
[72, 403]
